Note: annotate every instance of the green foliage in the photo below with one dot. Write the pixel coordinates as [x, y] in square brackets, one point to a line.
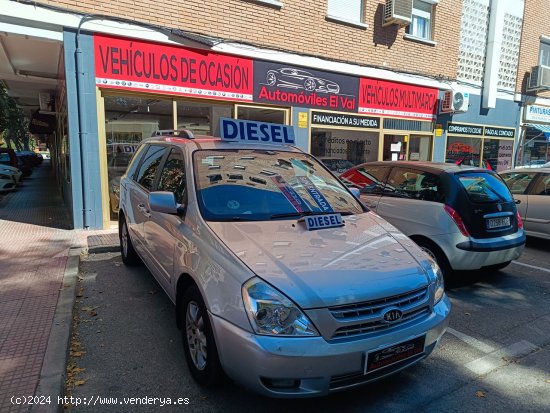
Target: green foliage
[14, 125]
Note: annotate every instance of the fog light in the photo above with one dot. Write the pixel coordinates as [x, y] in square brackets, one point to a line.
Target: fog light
[281, 384]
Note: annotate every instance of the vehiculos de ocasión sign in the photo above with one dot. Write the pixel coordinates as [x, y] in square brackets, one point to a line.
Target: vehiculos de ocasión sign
[397, 99]
[135, 65]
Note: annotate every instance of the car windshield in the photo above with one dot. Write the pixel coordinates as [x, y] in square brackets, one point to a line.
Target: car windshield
[485, 187]
[261, 185]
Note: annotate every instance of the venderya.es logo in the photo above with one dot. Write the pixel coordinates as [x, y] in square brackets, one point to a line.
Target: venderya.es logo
[304, 87]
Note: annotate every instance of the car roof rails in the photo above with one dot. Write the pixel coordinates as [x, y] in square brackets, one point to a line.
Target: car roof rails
[174, 133]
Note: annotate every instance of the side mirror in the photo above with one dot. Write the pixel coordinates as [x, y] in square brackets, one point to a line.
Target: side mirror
[355, 191]
[162, 201]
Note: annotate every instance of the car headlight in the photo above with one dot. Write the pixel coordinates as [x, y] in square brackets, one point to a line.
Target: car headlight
[439, 282]
[271, 313]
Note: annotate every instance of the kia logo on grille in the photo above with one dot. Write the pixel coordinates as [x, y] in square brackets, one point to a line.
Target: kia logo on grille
[392, 315]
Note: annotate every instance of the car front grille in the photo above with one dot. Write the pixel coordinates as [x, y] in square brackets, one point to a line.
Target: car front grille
[368, 315]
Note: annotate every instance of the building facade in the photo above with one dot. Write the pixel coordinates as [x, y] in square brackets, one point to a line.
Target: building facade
[358, 81]
[533, 85]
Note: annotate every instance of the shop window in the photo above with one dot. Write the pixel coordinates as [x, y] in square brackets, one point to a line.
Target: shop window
[463, 149]
[262, 114]
[420, 148]
[351, 11]
[422, 17]
[544, 52]
[498, 153]
[339, 150]
[201, 118]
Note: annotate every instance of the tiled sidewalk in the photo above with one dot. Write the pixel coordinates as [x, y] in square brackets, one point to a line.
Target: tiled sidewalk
[34, 246]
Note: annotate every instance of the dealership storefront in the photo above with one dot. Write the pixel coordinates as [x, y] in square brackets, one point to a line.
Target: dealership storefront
[143, 87]
[480, 145]
[117, 91]
[534, 147]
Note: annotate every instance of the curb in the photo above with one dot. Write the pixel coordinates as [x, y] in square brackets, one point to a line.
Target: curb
[51, 382]
[100, 249]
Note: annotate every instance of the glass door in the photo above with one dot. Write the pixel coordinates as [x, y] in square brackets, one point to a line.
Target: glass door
[395, 148]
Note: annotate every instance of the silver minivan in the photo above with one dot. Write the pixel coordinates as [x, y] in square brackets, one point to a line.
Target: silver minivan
[281, 279]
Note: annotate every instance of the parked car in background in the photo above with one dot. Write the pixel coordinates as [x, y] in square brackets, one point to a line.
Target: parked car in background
[14, 172]
[464, 217]
[10, 158]
[33, 158]
[44, 154]
[7, 182]
[532, 189]
[537, 163]
[274, 265]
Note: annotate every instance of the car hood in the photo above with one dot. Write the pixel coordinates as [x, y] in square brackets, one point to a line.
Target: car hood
[363, 260]
[9, 169]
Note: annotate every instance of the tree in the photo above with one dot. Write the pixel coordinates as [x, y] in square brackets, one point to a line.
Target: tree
[14, 125]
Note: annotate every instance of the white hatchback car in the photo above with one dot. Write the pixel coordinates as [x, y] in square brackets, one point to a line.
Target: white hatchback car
[274, 265]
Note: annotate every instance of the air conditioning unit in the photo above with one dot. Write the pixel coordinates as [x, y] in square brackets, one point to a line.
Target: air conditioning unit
[398, 12]
[455, 101]
[540, 78]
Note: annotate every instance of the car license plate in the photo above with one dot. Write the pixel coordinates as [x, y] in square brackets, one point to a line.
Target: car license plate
[498, 222]
[394, 354]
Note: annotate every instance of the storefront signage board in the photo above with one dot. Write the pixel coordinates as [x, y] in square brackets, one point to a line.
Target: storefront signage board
[385, 98]
[281, 84]
[537, 113]
[131, 64]
[499, 132]
[466, 130]
[344, 120]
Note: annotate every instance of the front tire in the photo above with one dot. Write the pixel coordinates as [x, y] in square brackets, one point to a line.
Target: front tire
[127, 251]
[198, 340]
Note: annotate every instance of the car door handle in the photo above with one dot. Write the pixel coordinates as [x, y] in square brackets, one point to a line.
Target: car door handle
[517, 201]
[144, 210]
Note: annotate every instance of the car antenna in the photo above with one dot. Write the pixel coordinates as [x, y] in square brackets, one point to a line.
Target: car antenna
[460, 161]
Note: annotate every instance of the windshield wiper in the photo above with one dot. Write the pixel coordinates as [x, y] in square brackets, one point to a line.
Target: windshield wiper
[307, 213]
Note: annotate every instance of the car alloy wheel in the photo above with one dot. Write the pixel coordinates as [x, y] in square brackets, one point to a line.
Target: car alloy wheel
[196, 337]
[199, 345]
[127, 251]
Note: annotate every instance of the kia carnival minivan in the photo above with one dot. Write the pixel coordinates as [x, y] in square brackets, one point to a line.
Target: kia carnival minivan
[274, 265]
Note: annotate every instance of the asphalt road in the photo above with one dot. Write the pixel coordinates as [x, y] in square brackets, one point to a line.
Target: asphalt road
[495, 356]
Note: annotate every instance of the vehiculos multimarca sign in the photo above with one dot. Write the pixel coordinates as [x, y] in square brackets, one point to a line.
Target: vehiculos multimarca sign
[136, 65]
[397, 99]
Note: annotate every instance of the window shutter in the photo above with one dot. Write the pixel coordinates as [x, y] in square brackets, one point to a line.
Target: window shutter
[346, 9]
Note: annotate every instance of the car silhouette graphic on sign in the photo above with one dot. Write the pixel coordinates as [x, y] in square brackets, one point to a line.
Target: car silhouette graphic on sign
[300, 79]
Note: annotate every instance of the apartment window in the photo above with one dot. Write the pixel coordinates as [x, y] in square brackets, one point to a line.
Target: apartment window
[544, 52]
[421, 25]
[346, 10]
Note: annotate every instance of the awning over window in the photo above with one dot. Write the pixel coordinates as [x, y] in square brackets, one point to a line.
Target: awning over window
[545, 129]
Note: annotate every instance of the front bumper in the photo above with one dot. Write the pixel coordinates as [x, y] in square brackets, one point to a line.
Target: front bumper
[315, 366]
